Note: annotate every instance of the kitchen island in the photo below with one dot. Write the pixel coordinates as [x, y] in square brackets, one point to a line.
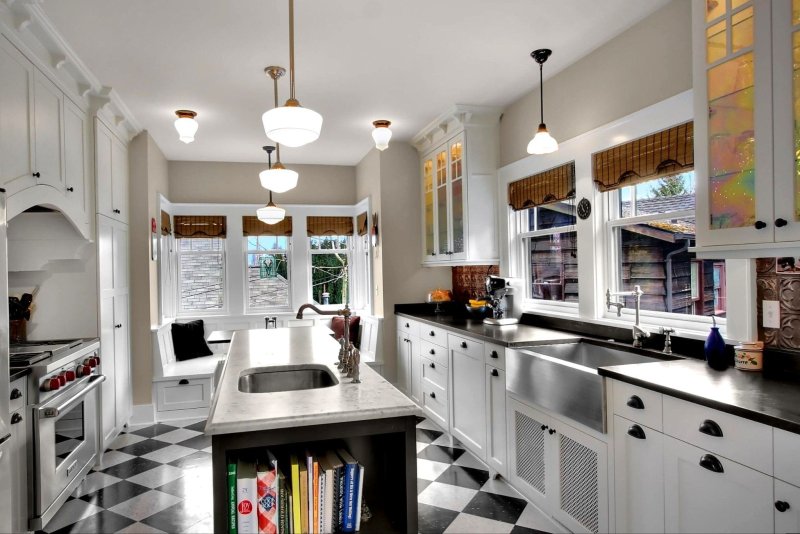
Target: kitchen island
[372, 420]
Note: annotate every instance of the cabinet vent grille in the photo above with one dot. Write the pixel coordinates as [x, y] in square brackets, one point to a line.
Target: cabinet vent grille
[579, 483]
[530, 451]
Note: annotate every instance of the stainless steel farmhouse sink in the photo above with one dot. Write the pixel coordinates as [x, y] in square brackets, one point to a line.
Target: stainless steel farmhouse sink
[563, 377]
[286, 378]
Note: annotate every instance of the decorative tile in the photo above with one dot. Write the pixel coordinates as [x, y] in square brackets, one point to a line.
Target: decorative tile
[789, 292]
[537, 520]
[144, 447]
[199, 426]
[93, 482]
[789, 333]
[428, 436]
[192, 461]
[765, 265]
[178, 517]
[131, 468]
[178, 435]
[155, 430]
[465, 477]
[429, 470]
[472, 523]
[497, 507]
[468, 460]
[145, 505]
[169, 454]
[446, 440]
[123, 440]
[422, 484]
[198, 442]
[447, 496]
[421, 446]
[157, 476]
[501, 487]
[114, 494]
[103, 521]
[112, 458]
[71, 512]
[141, 528]
[437, 453]
[434, 520]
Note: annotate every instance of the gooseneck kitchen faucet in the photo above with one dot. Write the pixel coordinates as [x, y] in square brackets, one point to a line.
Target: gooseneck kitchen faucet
[639, 333]
[349, 356]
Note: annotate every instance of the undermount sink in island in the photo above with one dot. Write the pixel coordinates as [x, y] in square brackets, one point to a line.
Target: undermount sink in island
[280, 390]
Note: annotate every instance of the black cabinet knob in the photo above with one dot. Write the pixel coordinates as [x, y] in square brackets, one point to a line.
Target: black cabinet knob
[635, 402]
[432, 351]
[70, 189]
[710, 462]
[780, 223]
[117, 326]
[408, 325]
[15, 394]
[117, 211]
[552, 431]
[16, 418]
[494, 354]
[544, 427]
[183, 382]
[37, 175]
[636, 431]
[432, 365]
[710, 428]
[782, 506]
[760, 225]
[432, 333]
[463, 344]
[495, 373]
[433, 395]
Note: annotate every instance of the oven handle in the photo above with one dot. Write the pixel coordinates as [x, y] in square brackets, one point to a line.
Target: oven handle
[49, 412]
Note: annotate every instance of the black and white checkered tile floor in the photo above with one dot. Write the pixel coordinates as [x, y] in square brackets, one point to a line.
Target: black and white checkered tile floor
[158, 479]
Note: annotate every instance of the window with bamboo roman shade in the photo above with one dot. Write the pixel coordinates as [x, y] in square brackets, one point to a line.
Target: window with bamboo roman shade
[663, 153]
[361, 223]
[166, 223]
[200, 226]
[253, 226]
[552, 185]
[329, 226]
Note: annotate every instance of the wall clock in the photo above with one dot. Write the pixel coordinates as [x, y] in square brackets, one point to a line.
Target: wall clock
[584, 208]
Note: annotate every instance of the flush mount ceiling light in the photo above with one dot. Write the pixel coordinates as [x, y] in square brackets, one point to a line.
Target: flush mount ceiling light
[270, 214]
[292, 125]
[542, 142]
[277, 177]
[381, 134]
[186, 125]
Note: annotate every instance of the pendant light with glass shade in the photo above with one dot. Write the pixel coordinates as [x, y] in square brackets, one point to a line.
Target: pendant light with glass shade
[270, 214]
[542, 142]
[381, 134]
[186, 125]
[291, 124]
[277, 178]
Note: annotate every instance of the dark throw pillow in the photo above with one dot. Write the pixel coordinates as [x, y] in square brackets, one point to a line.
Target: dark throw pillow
[189, 341]
[337, 325]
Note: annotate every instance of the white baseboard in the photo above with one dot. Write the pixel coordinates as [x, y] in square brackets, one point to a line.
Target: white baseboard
[142, 414]
[177, 415]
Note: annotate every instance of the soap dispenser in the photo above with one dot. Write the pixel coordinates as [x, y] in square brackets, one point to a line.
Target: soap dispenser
[714, 348]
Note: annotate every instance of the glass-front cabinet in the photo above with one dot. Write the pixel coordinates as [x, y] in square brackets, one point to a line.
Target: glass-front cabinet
[746, 85]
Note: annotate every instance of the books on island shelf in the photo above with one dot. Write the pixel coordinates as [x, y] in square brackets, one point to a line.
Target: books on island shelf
[246, 496]
[267, 488]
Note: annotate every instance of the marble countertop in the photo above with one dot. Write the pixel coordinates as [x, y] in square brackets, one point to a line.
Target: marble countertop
[747, 394]
[234, 411]
[518, 335]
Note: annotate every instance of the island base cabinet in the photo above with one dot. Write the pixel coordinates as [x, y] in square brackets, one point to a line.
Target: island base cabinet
[638, 477]
[704, 492]
[787, 507]
[385, 448]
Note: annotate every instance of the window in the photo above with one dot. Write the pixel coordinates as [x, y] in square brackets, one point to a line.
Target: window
[330, 268]
[651, 227]
[201, 273]
[267, 272]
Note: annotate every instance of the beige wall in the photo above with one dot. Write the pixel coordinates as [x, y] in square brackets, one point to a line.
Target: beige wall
[646, 64]
[368, 185]
[237, 183]
[148, 176]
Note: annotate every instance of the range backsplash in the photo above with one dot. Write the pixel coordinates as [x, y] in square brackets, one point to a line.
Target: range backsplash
[785, 288]
[469, 281]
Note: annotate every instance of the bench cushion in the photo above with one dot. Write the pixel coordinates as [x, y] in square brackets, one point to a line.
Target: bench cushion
[188, 340]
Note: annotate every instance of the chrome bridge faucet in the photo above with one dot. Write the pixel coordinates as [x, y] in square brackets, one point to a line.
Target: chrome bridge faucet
[349, 356]
[639, 333]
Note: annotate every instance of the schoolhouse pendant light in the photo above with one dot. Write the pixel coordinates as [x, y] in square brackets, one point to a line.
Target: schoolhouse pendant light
[542, 142]
[291, 124]
[270, 214]
[381, 134]
[277, 177]
[186, 125]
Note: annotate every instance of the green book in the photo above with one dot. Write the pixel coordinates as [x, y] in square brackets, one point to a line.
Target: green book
[232, 497]
[283, 505]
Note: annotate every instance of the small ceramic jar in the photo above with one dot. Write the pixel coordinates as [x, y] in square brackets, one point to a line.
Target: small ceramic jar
[749, 355]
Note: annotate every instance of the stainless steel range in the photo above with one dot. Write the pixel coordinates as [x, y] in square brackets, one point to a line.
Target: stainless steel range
[64, 406]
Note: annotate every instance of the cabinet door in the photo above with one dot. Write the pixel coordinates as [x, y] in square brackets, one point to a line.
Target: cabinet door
[468, 405]
[122, 363]
[119, 179]
[120, 255]
[442, 192]
[16, 112]
[102, 155]
[717, 495]
[733, 122]
[403, 364]
[787, 507]
[638, 477]
[456, 177]
[108, 366]
[18, 452]
[75, 155]
[48, 102]
[429, 224]
[415, 371]
[496, 413]
[530, 460]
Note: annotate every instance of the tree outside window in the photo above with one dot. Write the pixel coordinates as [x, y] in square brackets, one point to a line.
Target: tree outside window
[330, 269]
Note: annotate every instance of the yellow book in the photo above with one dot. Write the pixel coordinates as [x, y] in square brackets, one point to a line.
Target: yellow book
[315, 509]
[295, 466]
[304, 500]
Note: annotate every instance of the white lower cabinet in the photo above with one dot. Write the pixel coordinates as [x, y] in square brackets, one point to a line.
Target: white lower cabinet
[496, 452]
[638, 477]
[704, 492]
[403, 381]
[787, 507]
[468, 404]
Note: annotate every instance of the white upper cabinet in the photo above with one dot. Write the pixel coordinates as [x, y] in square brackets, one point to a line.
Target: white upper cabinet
[458, 173]
[47, 113]
[16, 108]
[111, 168]
[746, 112]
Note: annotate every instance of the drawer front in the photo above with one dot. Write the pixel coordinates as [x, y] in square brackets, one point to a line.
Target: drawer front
[183, 394]
[408, 326]
[434, 372]
[640, 405]
[434, 352]
[495, 355]
[466, 345]
[17, 395]
[433, 334]
[741, 440]
[787, 452]
[434, 403]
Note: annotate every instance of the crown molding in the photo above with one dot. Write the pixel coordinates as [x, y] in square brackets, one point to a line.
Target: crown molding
[457, 118]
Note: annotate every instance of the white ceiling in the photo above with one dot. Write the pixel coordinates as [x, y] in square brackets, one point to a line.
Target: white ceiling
[356, 60]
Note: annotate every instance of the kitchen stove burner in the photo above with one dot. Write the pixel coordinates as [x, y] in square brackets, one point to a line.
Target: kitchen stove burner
[26, 359]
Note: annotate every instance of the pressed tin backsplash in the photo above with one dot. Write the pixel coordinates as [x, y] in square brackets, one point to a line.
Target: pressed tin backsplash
[469, 281]
[779, 279]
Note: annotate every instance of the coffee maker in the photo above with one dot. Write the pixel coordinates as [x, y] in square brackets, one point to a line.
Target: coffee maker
[505, 298]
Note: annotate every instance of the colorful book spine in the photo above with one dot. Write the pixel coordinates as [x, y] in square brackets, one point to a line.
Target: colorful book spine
[327, 468]
[334, 463]
[267, 487]
[295, 474]
[283, 502]
[320, 498]
[350, 483]
[304, 499]
[232, 498]
[360, 499]
[246, 495]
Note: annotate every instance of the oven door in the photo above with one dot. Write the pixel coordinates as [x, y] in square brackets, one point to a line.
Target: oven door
[65, 445]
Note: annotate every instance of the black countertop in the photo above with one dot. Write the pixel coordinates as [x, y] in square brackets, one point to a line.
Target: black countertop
[18, 373]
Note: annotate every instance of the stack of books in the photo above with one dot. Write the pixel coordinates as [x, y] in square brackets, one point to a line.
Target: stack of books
[322, 494]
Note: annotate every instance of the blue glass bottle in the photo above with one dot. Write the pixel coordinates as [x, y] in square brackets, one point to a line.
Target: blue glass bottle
[714, 349]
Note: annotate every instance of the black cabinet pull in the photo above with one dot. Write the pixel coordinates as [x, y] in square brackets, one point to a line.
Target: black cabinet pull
[780, 222]
[117, 326]
[37, 175]
[782, 506]
[710, 462]
[635, 402]
[16, 418]
[432, 351]
[463, 344]
[710, 428]
[760, 225]
[117, 211]
[70, 189]
[433, 365]
[15, 394]
[544, 427]
[408, 325]
[552, 431]
[636, 431]
[494, 354]
[433, 395]
[183, 382]
[432, 333]
[495, 373]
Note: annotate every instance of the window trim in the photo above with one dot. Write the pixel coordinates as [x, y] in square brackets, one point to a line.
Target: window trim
[179, 311]
[246, 290]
